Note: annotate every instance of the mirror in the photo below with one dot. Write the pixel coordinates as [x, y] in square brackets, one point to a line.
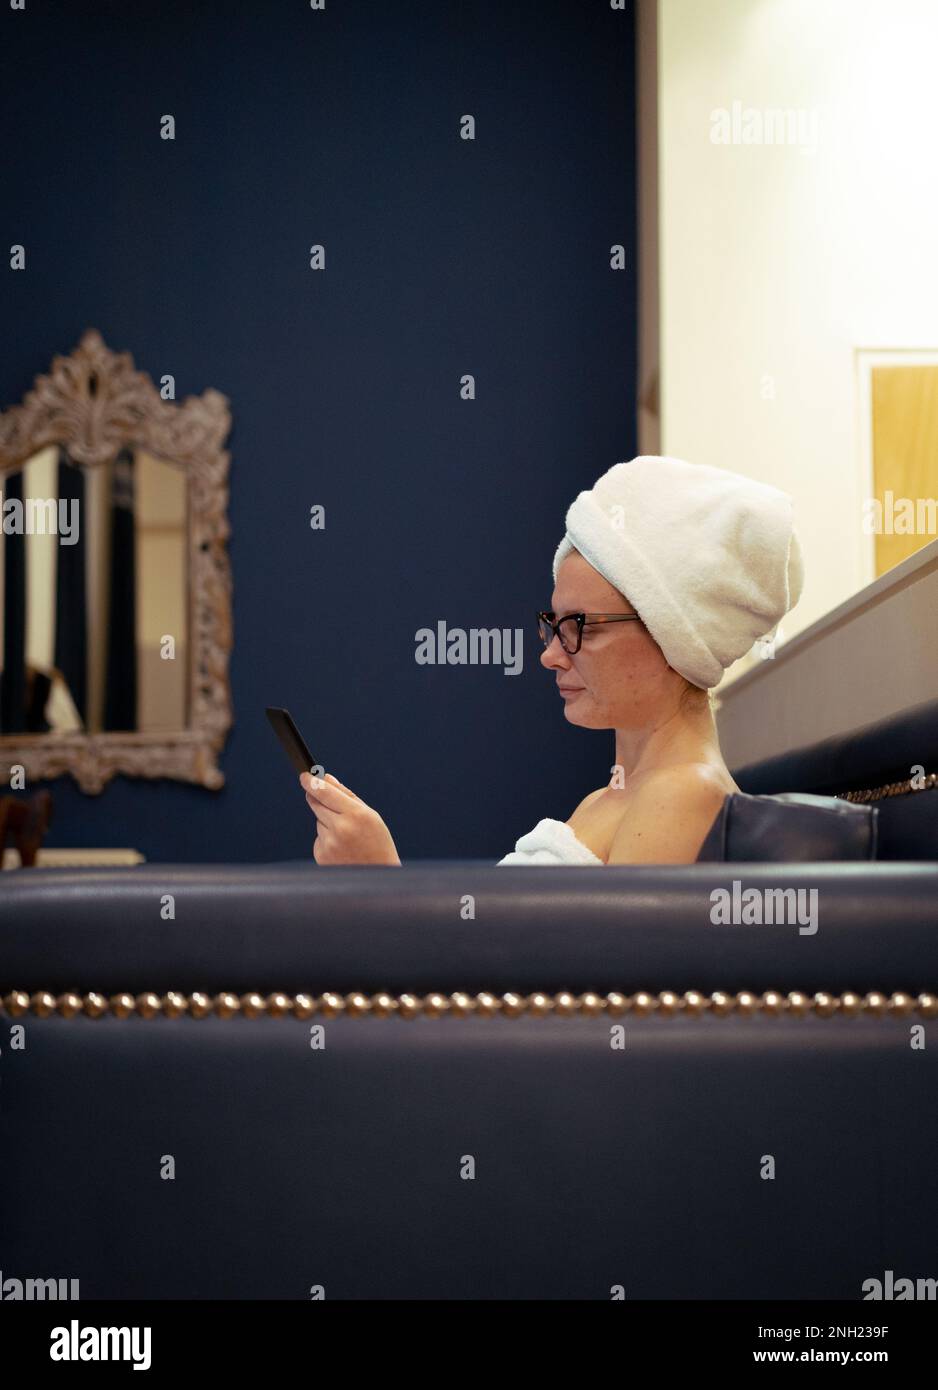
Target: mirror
[93, 622]
[115, 615]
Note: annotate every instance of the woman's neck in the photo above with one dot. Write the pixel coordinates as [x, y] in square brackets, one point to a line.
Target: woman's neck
[689, 735]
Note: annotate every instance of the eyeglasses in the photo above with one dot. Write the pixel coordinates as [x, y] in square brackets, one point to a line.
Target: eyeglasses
[570, 627]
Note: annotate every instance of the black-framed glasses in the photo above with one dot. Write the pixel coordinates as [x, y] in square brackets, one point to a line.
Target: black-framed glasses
[570, 627]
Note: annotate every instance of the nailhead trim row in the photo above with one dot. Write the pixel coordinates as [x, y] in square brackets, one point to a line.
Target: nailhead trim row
[43, 1003]
[891, 789]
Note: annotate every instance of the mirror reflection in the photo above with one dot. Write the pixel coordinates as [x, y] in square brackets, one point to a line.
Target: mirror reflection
[94, 611]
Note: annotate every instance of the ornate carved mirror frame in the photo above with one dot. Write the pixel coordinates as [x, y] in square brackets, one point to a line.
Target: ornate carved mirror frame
[95, 404]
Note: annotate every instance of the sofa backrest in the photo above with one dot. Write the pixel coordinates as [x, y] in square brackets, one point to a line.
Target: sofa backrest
[458, 1080]
[892, 765]
[457, 925]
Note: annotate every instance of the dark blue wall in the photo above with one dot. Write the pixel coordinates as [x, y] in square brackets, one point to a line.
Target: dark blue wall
[443, 257]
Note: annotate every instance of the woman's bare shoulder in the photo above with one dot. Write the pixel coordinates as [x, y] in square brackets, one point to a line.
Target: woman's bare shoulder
[588, 799]
[668, 818]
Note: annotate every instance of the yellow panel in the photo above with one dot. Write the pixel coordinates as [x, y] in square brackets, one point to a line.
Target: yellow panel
[905, 460]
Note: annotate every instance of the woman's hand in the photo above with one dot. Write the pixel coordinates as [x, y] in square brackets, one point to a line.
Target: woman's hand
[347, 831]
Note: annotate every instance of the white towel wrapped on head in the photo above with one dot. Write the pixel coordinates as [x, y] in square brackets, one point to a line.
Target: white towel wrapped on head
[550, 842]
[709, 559]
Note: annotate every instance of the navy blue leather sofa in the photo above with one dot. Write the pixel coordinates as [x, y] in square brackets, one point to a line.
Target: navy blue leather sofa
[454, 1080]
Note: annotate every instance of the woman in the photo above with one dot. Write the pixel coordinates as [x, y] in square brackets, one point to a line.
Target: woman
[668, 573]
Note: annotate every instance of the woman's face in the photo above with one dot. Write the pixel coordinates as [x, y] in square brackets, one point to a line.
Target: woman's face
[619, 678]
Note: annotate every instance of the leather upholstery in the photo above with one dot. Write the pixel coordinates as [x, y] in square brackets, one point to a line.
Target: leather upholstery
[872, 757]
[869, 757]
[297, 927]
[793, 827]
[340, 1167]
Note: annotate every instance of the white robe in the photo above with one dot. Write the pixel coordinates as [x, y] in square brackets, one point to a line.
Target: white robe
[550, 842]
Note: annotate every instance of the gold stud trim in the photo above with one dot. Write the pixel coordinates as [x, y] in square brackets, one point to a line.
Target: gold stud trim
[892, 789]
[43, 1003]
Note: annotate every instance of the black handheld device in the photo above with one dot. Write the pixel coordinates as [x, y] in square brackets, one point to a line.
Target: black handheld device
[291, 738]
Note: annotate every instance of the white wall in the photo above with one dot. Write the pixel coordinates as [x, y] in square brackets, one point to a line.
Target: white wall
[874, 656]
[777, 262]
